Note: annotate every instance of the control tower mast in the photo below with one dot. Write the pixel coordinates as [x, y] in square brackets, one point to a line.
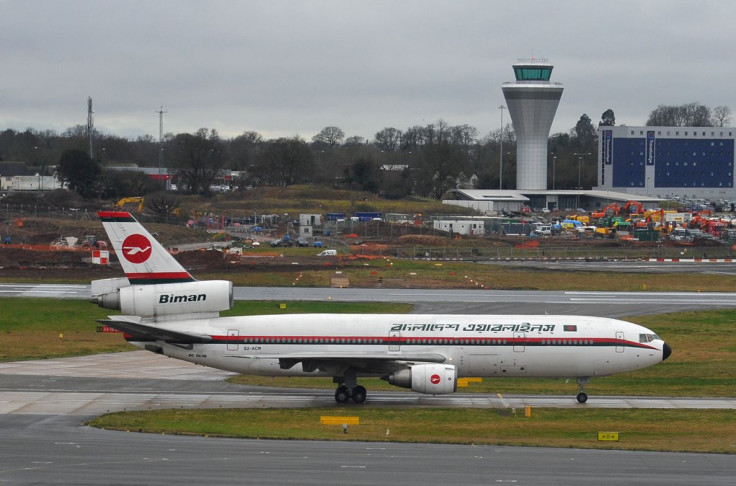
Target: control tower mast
[532, 101]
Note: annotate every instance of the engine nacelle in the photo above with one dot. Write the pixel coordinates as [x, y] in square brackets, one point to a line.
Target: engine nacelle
[209, 296]
[433, 378]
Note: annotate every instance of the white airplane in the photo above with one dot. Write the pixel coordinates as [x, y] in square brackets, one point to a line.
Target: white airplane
[166, 311]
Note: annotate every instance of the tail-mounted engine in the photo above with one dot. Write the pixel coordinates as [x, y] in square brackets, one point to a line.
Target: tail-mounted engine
[196, 298]
[433, 378]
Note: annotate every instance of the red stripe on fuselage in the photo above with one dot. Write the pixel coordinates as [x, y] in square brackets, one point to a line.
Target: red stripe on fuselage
[428, 341]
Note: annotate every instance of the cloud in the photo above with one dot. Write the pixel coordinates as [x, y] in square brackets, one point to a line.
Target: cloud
[284, 68]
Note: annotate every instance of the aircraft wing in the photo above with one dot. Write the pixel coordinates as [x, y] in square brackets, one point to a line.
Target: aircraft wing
[376, 362]
[145, 332]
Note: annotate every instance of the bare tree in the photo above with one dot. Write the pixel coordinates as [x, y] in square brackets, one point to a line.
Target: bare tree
[288, 161]
[199, 157]
[329, 136]
[162, 204]
[687, 115]
[388, 139]
[463, 135]
[721, 116]
[354, 141]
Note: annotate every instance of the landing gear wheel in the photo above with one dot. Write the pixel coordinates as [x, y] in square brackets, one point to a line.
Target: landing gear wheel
[359, 394]
[582, 396]
[341, 394]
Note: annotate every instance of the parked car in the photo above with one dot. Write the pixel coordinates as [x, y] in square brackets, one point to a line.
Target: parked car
[542, 231]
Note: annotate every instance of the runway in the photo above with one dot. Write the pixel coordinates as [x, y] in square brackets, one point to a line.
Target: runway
[44, 403]
[453, 301]
[92, 385]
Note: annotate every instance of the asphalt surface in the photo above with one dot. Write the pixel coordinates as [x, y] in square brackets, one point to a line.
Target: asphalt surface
[43, 439]
[593, 303]
[44, 404]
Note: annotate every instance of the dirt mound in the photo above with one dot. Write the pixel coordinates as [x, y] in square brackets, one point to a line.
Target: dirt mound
[201, 260]
[19, 257]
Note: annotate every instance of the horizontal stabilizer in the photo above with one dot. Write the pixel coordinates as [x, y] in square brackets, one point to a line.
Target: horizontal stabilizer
[145, 332]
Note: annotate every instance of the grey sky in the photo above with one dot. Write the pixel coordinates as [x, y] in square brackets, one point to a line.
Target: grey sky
[283, 68]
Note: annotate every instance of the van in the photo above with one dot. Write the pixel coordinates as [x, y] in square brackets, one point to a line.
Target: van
[328, 253]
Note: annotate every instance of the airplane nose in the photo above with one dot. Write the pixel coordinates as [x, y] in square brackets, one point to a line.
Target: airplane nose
[666, 351]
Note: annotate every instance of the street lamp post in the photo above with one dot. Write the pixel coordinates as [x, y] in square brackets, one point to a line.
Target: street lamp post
[554, 162]
[580, 163]
[500, 168]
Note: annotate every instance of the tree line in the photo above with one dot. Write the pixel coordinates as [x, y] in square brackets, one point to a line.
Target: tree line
[422, 160]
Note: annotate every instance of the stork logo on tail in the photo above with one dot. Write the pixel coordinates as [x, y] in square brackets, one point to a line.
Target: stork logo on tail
[136, 248]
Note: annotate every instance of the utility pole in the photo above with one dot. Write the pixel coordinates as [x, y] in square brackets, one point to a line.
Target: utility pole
[161, 145]
[90, 125]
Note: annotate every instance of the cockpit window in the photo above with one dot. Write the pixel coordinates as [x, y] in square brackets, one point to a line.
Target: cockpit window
[647, 338]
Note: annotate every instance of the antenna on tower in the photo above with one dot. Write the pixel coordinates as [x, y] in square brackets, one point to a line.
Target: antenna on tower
[90, 124]
[161, 143]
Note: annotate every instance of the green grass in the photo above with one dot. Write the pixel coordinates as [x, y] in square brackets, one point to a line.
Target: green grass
[47, 328]
[662, 430]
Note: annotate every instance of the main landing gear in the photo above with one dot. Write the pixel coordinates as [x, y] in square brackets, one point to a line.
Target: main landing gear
[343, 394]
[582, 396]
[348, 388]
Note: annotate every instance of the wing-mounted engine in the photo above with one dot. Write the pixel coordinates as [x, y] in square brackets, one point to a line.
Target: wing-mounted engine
[197, 298]
[432, 378]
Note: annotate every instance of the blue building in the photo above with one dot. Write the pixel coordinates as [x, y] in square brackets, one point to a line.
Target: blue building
[664, 162]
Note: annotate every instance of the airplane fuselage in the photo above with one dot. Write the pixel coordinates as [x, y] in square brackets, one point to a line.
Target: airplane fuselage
[477, 345]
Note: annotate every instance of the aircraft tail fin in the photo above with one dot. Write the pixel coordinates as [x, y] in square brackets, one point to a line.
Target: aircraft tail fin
[144, 260]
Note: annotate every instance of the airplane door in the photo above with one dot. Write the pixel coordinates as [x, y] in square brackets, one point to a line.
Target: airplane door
[232, 346]
[519, 342]
[619, 342]
[393, 345]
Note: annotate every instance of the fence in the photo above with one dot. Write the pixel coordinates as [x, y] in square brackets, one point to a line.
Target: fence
[556, 253]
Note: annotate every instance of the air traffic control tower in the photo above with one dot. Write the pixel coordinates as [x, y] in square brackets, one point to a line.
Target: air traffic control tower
[532, 101]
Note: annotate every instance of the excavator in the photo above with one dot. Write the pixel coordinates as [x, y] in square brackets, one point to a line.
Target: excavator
[613, 208]
[632, 204]
[139, 200]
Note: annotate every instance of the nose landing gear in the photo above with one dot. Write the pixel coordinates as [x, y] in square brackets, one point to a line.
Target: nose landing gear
[582, 396]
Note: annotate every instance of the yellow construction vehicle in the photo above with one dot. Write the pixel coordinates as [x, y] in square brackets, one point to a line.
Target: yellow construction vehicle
[139, 200]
